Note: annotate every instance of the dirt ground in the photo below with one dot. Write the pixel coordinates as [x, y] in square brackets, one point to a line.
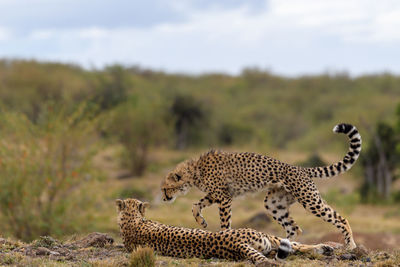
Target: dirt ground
[98, 249]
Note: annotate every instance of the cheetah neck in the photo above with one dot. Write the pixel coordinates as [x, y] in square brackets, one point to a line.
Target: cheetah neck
[191, 168]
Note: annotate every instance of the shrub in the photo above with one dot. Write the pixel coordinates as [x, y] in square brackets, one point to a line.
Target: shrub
[142, 257]
[314, 160]
[134, 192]
[138, 125]
[43, 168]
[233, 133]
[189, 115]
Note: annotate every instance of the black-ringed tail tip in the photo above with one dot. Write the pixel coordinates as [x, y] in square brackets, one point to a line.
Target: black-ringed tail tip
[349, 159]
[284, 249]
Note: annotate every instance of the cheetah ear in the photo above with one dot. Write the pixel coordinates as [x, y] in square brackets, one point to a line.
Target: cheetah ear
[143, 206]
[120, 204]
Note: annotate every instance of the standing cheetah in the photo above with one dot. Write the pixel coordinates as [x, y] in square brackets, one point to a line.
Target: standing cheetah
[223, 176]
[232, 244]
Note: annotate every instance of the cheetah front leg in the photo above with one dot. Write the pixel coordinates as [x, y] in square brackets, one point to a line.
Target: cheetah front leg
[225, 213]
[197, 207]
[277, 202]
[254, 256]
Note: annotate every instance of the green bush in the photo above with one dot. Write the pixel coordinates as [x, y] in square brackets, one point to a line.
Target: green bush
[44, 168]
[134, 192]
[138, 124]
[233, 133]
[314, 160]
[189, 116]
[347, 201]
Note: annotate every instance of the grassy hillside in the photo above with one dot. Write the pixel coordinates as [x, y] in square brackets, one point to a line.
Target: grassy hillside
[74, 140]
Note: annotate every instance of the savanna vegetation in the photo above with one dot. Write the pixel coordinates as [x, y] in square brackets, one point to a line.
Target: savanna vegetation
[72, 140]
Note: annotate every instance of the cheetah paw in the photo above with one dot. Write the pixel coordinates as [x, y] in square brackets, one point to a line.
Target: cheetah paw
[201, 221]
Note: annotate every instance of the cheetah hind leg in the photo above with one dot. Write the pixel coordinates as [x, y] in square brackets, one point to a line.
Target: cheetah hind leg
[285, 247]
[321, 209]
[277, 203]
[318, 249]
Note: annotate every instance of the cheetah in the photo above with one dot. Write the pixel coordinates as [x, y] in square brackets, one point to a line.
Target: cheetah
[231, 244]
[224, 176]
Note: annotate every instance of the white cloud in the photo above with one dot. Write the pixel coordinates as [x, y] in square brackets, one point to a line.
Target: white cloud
[42, 34]
[5, 34]
[288, 35]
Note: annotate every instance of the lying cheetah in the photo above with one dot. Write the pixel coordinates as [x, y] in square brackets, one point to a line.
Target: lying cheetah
[238, 244]
[224, 175]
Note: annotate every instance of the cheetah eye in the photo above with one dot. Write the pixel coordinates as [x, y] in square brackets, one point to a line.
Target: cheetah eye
[178, 177]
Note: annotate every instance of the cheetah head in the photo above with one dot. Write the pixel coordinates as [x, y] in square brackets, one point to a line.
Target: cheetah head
[130, 209]
[178, 181]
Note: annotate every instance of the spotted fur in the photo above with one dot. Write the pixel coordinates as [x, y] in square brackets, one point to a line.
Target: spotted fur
[223, 176]
[232, 244]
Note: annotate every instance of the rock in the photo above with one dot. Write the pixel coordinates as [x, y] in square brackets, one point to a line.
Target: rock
[335, 245]
[95, 240]
[41, 251]
[360, 251]
[348, 257]
[45, 241]
[54, 253]
[119, 246]
[259, 220]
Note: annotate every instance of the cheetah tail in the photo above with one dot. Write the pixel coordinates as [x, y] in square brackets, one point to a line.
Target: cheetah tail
[349, 159]
[285, 248]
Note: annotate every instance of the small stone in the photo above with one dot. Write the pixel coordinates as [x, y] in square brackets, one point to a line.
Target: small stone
[348, 257]
[54, 253]
[40, 251]
[259, 220]
[119, 246]
[95, 240]
[360, 251]
[335, 245]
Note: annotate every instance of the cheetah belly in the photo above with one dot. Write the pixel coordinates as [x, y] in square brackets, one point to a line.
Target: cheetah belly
[244, 186]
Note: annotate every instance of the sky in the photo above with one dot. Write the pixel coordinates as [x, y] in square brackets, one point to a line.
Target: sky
[286, 37]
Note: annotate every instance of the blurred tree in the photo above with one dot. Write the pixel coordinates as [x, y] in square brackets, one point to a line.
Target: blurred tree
[314, 160]
[275, 110]
[230, 133]
[44, 168]
[113, 88]
[138, 124]
[188, 115]
[380, 162]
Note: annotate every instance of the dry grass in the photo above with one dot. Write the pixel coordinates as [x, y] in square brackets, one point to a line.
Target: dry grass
[368, 222]
[142, 257]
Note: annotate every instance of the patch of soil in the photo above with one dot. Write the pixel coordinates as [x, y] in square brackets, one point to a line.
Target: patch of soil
[372, 241]
[99, 246]
[92, 246]
[98, 240]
